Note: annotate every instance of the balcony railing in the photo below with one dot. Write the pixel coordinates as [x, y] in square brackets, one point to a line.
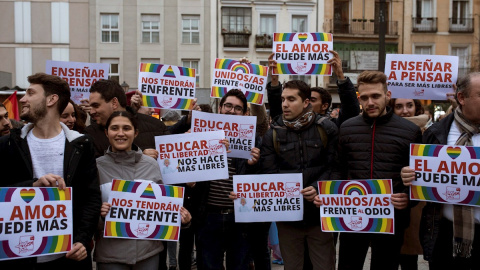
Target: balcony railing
[461, 25]
[362, 27]
[426, 25]
[263, 41]
[238, 40]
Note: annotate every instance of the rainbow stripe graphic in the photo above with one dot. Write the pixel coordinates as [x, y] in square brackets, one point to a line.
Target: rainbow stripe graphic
[218, 92]
[363, 187]
[187, 72]
[384, 225]
[171, 191]
[425, 150]
[236, 66]
[316, 69]
[147, 67]
[50, 244]
[283, 36]
[169, 73]
[6, 194]
[125, 186]
[431, 194]
[122, 229]
[224, 63]
[322, 36]
[54, 194]
[253, 97]
[148, 193]
[154, 102]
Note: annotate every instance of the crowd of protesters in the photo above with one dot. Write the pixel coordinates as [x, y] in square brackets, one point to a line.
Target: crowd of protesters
[106, 137]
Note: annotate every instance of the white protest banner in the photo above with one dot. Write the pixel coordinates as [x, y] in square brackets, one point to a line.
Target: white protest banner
[445, 174]
[192, 157]
[80, 76]
[35, 222]
[303, 53]
[239, 130]
[166, 86]
[268, 197]
[144, 210]
[250, 78]
[356, 206]
[416, 76]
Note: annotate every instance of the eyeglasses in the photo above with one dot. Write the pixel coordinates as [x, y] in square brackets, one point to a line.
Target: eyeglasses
[229, 106]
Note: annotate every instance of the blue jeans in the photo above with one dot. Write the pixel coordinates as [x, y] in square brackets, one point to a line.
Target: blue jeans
[219, 234]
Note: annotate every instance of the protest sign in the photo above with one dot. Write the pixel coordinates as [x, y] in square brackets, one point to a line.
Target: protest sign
[239, 130]
[144, 210]
[421, 76]
[356, 206]
[35, 222]
[230, 74]
[80, 76]
[303, 53]
[445, 173]
[166, 86]
[192, 157]
[268, 197]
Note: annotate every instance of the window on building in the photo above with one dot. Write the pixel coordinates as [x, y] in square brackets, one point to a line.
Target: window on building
[299, 24]
[236, 20]
[424, 20]
[267, 24]
[424, 8]
[303, 78]
[190, 29]
[341, 16]
[463, 59]
[110, 33]
[60, 22]
[459, 11]
[150, 60]
[150, 28]
[114, 71]
[423, 49]
[193, 63]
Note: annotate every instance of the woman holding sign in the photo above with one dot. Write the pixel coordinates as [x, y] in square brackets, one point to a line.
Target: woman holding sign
[124, 160]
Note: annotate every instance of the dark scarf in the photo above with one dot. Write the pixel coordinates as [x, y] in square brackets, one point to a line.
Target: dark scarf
[463, 222]
[303, 120]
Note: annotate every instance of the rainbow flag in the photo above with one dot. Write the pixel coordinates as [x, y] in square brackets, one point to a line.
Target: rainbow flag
[11, 104]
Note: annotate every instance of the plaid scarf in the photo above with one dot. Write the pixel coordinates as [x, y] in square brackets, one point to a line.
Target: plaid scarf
[303, 120]
[463, 222]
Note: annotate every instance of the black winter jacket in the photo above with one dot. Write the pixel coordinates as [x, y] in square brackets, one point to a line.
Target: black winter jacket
[148, 128]
[301, 152]
[80, 173]
[377, 148]
[432, 212]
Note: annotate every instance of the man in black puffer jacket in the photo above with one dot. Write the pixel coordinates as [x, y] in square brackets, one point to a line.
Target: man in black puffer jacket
[376, 145]
[298, 146]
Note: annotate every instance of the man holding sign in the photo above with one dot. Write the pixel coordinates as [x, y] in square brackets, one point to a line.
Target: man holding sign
[45, 153]
[375, 145]
[302, 142]
[442, 223]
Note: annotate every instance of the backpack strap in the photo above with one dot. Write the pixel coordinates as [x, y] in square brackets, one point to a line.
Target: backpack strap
[276, 144]
[321, 130]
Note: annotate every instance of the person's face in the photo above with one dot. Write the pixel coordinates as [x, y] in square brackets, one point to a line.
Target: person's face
[243, 202]
[145, 110]
[34, 104]
[5, 124]
[373, 99]
[120, 134]
[317, 104]
[404, 107]
[68, 116]
[166, 162]
[471, 104]
[100, 110]
[232, 105]
[292, 104]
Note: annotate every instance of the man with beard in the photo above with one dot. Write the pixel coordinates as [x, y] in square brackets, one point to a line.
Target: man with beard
[300, 141]
[5, 124]
[46, 153]
[375, 145]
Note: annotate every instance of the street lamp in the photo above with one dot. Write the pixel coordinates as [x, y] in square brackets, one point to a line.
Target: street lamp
[125, 86]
